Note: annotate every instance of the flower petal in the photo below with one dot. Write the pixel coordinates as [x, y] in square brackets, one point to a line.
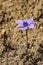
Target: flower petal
[19, 22]
[31, 26]
[23, 28]
[29, 21]
[17, 26]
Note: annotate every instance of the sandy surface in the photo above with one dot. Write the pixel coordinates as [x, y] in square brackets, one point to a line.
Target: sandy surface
[14, 49]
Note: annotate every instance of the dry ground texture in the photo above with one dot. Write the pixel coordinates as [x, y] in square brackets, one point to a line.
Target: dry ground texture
[14, 49]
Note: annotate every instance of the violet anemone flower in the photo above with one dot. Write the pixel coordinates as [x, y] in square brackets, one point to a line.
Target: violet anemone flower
[24, 24]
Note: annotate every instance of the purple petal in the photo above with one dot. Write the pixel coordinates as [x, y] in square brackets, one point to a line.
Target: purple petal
[31, 26]
[29, 21]
[19, 22]
[23, 28]
[17, 26]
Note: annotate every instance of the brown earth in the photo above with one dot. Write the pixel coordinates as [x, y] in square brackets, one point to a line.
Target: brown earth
[14, 49]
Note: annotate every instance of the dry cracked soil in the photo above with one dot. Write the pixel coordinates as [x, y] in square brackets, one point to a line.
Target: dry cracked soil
[14, 49]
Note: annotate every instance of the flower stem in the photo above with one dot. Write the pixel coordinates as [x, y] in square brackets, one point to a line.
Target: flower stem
[27, 35]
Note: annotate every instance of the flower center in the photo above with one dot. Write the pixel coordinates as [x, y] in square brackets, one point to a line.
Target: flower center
[25, 24]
